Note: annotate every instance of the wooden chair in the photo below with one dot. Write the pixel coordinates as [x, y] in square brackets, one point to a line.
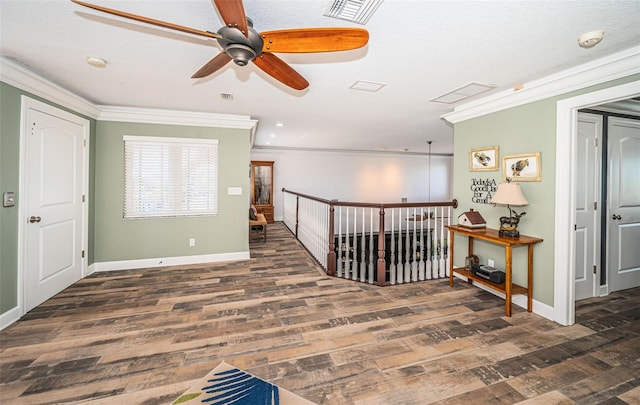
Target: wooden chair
[259, 221]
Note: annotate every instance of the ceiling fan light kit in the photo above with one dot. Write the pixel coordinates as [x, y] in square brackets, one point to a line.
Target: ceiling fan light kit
[241, 43]
[241, 54]
[240, 47]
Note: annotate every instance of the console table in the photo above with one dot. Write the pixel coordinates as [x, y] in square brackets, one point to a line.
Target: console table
[491, 235]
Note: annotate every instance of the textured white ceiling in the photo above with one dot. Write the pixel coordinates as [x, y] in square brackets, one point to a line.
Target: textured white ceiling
[418, 49]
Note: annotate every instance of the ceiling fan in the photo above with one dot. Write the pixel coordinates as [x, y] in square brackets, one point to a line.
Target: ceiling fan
[243, 44]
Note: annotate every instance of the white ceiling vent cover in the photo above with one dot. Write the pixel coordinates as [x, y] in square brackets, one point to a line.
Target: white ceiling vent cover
[461, 93]
[357, 11]
[367, 86]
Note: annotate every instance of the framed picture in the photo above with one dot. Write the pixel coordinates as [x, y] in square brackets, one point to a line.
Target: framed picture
[522, 167]
[483, 159]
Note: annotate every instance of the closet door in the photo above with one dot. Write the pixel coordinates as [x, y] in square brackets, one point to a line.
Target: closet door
[624, 203]
[587, 230]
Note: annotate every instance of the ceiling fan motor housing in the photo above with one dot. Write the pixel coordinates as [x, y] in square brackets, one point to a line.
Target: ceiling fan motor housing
[240, 48]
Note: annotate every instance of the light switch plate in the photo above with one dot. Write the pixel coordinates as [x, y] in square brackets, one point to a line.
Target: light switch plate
[234, 190]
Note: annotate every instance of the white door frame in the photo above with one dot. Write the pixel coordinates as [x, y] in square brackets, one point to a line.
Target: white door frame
[26, 104]
[564, 244]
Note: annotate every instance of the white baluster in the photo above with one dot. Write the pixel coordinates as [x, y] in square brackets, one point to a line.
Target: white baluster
[392, 265]
[371, 249]
[429, 242]
[340, 252]
[434, 248]
[400, 276]
[448, 263]
[363, 265]
[407, 253]
[414, 264]
[354, 246]
[444, 246]
[421, 251]
[347, 262]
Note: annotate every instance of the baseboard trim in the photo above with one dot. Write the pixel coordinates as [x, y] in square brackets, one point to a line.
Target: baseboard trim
[169, 261]
[9, 317]
[539, 308]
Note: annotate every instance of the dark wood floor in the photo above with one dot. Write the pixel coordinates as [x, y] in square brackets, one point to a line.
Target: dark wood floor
[145, 336]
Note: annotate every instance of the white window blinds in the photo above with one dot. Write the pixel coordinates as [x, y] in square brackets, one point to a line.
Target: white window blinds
[169, 177]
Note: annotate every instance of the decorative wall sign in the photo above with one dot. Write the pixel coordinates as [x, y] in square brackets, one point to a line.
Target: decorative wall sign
[483, 190]
[483, 159]
[522, 167]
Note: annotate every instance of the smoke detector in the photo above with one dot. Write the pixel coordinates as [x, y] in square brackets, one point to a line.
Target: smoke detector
[96, 62]
[590, 39]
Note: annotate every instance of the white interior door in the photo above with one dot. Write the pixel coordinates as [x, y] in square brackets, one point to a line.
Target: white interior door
[54, 181]
[587, 240]
[624, 203]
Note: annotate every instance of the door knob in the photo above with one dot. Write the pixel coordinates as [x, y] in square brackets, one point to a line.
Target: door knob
[34, 219]
[616, 216]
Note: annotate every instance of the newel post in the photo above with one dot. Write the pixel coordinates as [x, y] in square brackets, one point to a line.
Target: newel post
[381, 268]
[331, 256]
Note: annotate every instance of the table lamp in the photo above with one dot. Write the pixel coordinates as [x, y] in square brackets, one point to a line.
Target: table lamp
[509, 194]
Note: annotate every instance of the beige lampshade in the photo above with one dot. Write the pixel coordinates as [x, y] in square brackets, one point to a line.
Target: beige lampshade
[509, 194]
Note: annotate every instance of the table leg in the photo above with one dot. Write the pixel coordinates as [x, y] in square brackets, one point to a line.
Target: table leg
[530, 279]
[507, 282]
[469, 253]
[451, 257]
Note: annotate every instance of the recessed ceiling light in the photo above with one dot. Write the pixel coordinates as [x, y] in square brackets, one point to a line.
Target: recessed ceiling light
[272, 135]
[590, 39]
[96, 62]
[279, 124]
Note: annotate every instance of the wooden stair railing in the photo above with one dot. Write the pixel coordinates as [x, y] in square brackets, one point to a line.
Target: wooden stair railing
[313, 221]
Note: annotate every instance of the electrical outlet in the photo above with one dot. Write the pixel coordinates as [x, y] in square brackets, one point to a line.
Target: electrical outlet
[192, 242]
[490, 263]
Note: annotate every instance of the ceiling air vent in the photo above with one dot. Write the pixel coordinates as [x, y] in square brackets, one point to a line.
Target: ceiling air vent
[357, 11]
[226, 96]
[367, 86]
[461, 93]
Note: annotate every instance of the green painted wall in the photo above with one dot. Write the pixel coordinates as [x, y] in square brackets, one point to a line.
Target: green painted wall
[9, 152]
[110, 237]
[10, 103]
[522, 129]
[117, 239]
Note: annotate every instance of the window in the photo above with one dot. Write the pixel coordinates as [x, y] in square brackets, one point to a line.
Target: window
[170, 177]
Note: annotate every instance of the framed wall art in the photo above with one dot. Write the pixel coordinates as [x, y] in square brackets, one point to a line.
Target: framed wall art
[483, 159]
[521, 167]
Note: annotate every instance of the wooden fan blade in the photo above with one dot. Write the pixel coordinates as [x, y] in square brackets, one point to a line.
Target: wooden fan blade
[232, 13]
[281, 71]
[214, 64]
[303, 40]
[149, 20]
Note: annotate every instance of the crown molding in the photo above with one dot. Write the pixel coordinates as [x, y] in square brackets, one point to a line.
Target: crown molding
[615, 66]
[20, 77]
[23, 79]
[276, 149]
[175, 117]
